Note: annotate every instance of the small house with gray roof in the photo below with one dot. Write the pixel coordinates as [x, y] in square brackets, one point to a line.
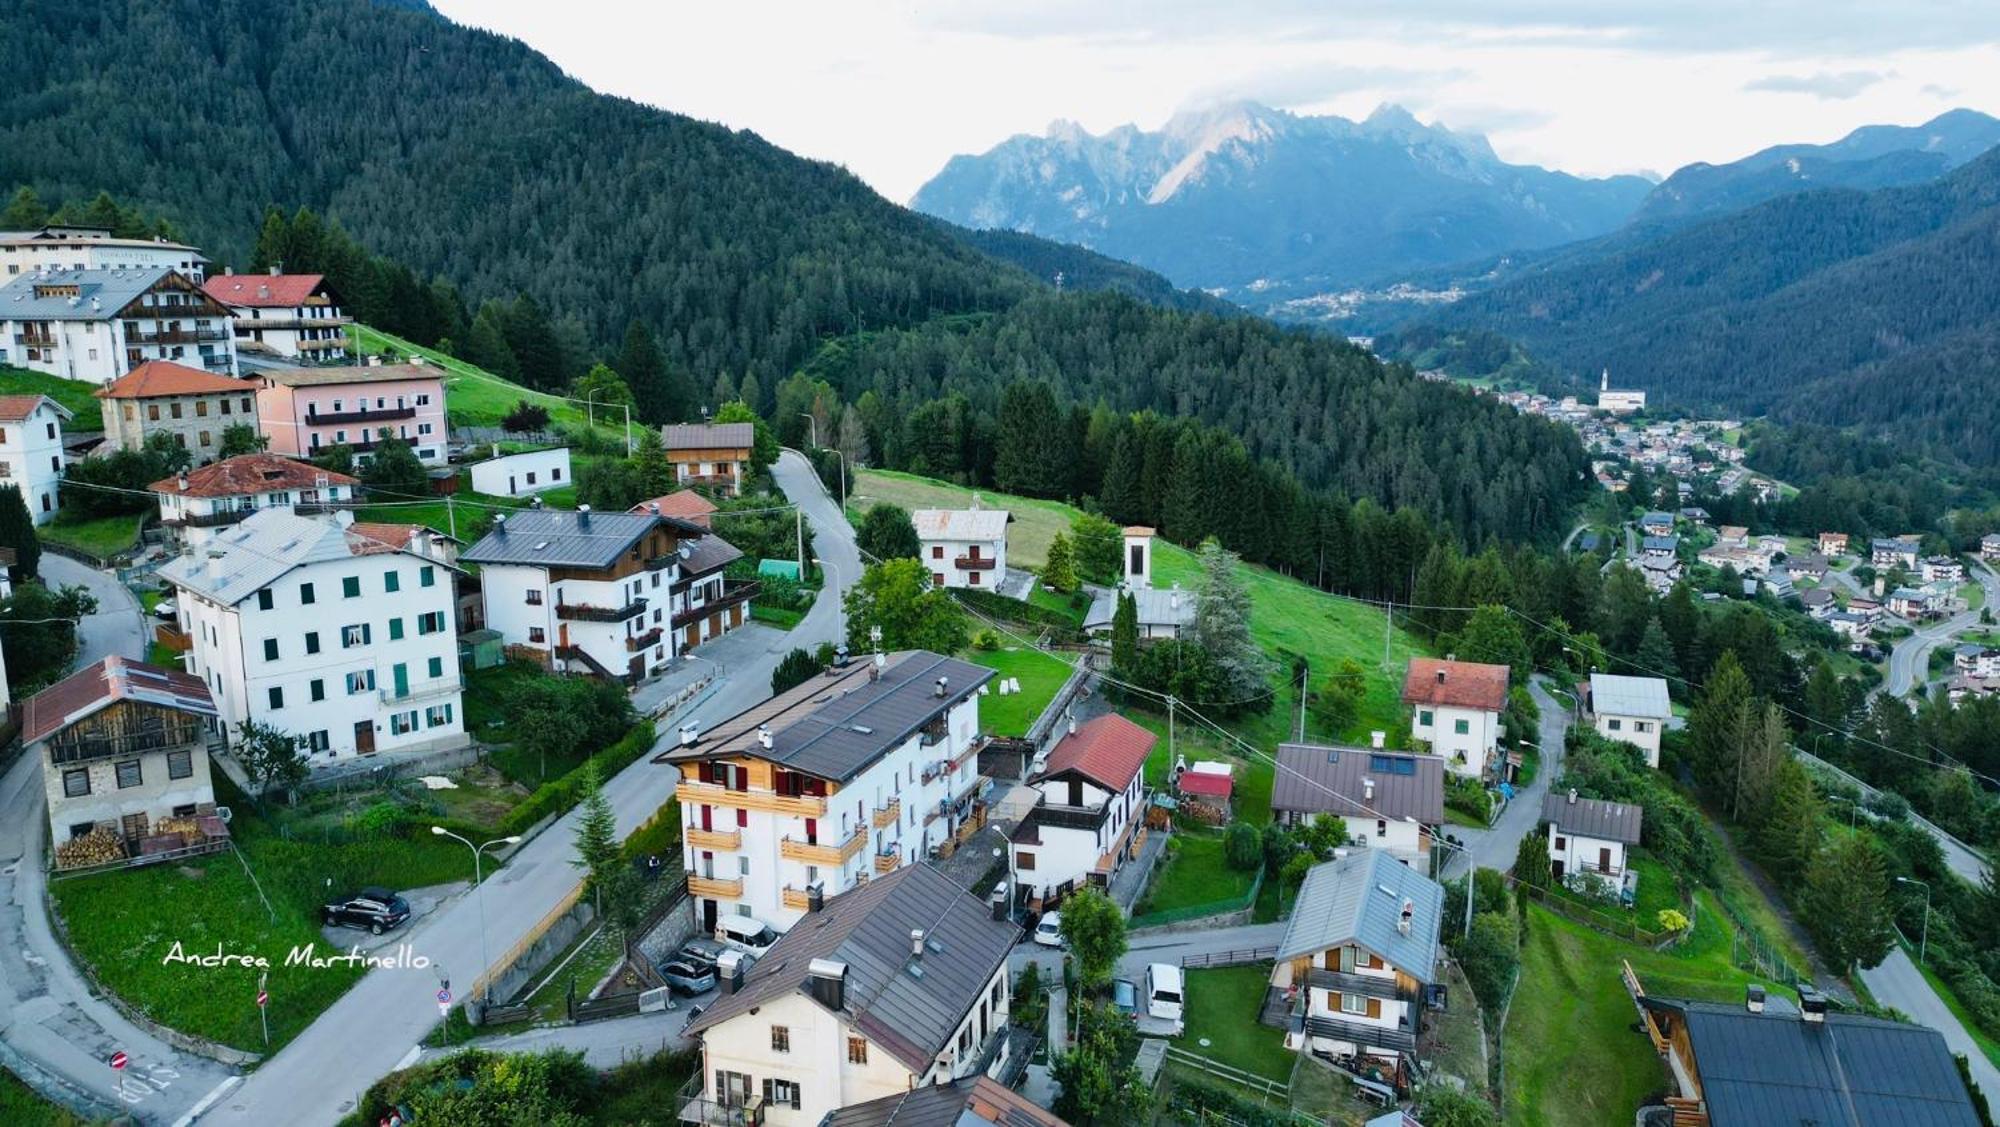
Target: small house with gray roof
[1392, 800]
[716, 456]
[1351, 973]
[1632, 709]
[1591, 836]
[97, 323]
[887, 990]
[963, 547]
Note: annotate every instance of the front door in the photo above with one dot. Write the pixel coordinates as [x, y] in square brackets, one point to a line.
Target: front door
[364, 737]
[1556, 868]
[708, 913]
[1604, 860]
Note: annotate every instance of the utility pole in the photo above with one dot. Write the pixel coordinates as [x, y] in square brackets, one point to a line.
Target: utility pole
[1388, 625]
[1305, 679]
[799, 530]
[451, 513]
[1170, 732]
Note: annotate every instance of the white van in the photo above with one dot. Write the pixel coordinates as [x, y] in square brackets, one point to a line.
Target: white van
[745, 933]
[1165, 993]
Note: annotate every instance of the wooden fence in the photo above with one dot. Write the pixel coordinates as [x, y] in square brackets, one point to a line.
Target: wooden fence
[1237, 958]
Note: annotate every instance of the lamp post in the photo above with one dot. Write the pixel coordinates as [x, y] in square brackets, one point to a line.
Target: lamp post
[1470, 868]
[485, 961]
[1924, 936]
[813, 434]
[1853, 808]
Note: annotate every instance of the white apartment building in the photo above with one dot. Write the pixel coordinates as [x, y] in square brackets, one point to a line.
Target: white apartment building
[897, 986]
[963, 547]
[31, 451]
[1088, 818]
[304, 624]
[97, 324]
[1390, 800]
[1589, 835]
[1632, 709]
[294, 316]
[518, 475]
[854, 774]
[1356, 959]
[71, 247]
[197, 504]
[1457, 707]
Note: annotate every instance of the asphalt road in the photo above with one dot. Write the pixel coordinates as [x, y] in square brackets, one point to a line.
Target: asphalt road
[1898, 983]
[1909, 659]
[376, 1026]
[118, 627]
[1495, 846]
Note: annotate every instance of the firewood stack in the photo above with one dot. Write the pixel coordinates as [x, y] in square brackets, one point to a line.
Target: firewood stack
[97, 847]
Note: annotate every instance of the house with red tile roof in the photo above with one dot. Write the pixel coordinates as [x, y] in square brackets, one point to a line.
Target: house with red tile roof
[684, 505]
[290, 315]
[1088, 818]
[1456, 707]
[194, 506]
[192, 404]
[31, 451]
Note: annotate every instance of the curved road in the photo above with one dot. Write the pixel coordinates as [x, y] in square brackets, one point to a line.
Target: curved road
[1495, 846]
[375, 1026]
[1909, 659]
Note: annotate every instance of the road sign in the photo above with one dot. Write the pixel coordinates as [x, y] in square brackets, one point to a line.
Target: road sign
[444, 997]
[263, 997]
[118, 1061]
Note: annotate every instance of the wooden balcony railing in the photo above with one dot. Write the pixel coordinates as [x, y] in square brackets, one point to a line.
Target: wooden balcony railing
[644, 641]
[586, 612]
[173, 638]
[715, 888]
[823, 853]
[886, 817]
[887, 862]
[770, 802]
[974, 563]
[726, 840]
[795, 899]
[370, 415]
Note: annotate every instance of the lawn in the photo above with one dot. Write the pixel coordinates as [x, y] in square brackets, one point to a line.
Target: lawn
[20, 1106]
[1197, 874]
[104, 536]
[475, 397]
[1041, 675]
[76, 396]
[1221, 1015]
[1035, 522]
[1572, 1057]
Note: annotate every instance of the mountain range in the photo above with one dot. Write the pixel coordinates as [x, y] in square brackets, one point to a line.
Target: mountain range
[1241, 198]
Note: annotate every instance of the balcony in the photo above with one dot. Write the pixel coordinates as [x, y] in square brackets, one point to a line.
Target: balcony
[728, 841]
[822, 853]
[715, 888]
[374, 415]
[696, 1107]
[177, 336]
[770, 802]
[172, 638]
[72, 746]
[644, 641]
[285, 323]
[974, 563]
[886, 862]
[217, 361]
[1361, 1033]
[886, 817]
[1347, 982]
[220, 518]
[34, 340]
[734, 592]
[428, 690]
[795, 899]
[586, 612]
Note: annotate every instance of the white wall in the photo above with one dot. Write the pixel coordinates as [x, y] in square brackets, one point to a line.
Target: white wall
[1642, 732]
[156, 796]
[939, 556]
[1579, 852]
[517, 475]
[32, 453]
[1465, 753]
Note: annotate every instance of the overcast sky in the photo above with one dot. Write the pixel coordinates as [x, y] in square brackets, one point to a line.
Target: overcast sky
[892, 90]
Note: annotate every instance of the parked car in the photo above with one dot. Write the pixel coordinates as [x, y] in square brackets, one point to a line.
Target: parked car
[747, 934]
[701, 952]
[1125, 996]
[1165, 993]
[688, 977]
[1048, 932]
[376, 909]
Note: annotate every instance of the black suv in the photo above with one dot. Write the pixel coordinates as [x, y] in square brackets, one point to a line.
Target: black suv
[376, 909]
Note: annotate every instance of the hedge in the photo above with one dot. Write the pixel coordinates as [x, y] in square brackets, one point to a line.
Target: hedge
[1017, 610]
[558, 795]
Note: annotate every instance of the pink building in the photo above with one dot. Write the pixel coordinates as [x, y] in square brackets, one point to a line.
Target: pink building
[305, 411]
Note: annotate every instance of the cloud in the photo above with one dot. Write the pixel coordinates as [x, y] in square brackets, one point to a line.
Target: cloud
[1824, 85]
[1491, 119]
[1306, 84]
[1945, 92]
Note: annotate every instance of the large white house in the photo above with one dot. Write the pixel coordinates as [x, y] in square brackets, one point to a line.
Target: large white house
[1356, 959]
[1589, 835]
[855, 773]
[196, 504]
[72, 247]
[1390, 800]
[294, 316]
[963, 547]
[1456, 708]
[311, 627]
[1632, 709]
[895, 987]
[31, 451]
[97, 324]
[1087, 818]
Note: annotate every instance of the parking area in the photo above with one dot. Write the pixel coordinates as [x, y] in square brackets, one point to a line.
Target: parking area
[422, 902]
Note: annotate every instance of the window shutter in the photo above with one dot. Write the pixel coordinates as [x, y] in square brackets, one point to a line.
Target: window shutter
[1374, 1007]
[1333, 1000]
[795, 1096]
[767, 1091]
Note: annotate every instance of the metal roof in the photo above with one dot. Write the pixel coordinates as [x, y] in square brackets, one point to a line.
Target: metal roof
[966, 1103]
[911, 1005]
[1613, 695]
[1359, 899]
[561, 538]
[1593, 817]
[1773, 1068]
[1316, 779]
[708, 436]
[101, 293]
[1170, 606]
[351, 374]
[239, 561]
[960, 524]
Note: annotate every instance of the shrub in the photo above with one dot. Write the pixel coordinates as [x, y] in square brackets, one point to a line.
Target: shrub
[1242, 847]
[1888, 804]
[560, 794]
[986, 640]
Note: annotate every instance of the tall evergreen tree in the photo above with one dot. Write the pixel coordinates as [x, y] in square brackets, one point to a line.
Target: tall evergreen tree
[25, 211]
[1847, 898]
[1026, 461]
[17, 531]
[532, 341]
[1125, 635]
[486, 343]
[887, 534]
[1222, 625]
[1716, 725]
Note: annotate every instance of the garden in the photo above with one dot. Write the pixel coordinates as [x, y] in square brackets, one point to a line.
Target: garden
[1041, 676]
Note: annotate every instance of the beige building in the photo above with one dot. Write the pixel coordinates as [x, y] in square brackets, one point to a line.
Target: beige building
[192, 405]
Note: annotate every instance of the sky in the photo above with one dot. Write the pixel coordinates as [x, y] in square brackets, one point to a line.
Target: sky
[891, 90]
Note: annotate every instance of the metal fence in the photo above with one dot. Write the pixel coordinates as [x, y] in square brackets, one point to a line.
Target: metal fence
[1238, 958]
[1241, 903]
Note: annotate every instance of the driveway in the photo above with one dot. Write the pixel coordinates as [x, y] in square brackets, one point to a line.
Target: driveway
[375, 1027]
[118, 627]
[1494, 847]
[1898, 983]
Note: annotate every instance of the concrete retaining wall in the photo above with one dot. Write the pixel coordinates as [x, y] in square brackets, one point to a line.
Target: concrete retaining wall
[538, 954]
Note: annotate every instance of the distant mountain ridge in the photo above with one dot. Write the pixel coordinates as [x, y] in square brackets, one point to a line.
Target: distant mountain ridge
[1242, 196]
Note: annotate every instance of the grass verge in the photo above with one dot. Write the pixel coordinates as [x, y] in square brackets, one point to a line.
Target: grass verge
[77, 396]
[21, 1106]
[1198, 873]
[104, 536]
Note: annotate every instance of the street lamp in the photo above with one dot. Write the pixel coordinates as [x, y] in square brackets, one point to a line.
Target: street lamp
[1853, 808]
[485, 962]
[1470, 868]
[1924, 938]
[813, 435]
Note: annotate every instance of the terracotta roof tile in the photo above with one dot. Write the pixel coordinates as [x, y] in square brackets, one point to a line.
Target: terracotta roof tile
[113, 679]
[248, 474]
[1205, 782]
[1456, 684]
[1108, 750]
[688, 505]
[17, 408]
[262, 290]
[164, 377]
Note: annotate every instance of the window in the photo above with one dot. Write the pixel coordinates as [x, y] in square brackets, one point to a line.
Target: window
[534, 597]
[781, 1039]
[1562, 843]
[312, 641]
[395, 629]
[224, 404]
[1615, 724]
[360, 681]
[318, 741]
[350, 587]
[246, 404]
[402, 723]
[392, 582]
[431, 623]
[427, 576]
[437, 716]
[180, 764]
[1024, 860]
[270, 649]
[1425, 718]
[423, 399]
[129, 415]
[537, 635]
[1461, 727]
[781, 1093]
[76, 782]
[277, 696]
[857, 1050]
[352, 636]
[201, 408]
[937, 551]
[436, 668]
[264, 600]
[152, 416]
[1381, 828]
[174, 409]
[306, 594]
[1642, 726]
[317, 690]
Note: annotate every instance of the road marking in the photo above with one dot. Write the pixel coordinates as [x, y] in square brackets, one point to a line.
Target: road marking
[208, 1100]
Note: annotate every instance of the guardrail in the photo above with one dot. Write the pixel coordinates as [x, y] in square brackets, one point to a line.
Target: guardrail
[1240, 957]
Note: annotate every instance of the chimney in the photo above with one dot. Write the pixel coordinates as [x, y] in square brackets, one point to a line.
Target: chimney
[943, 683]
[1753, 998]
[1572, 796]
[583, 516]
[184, 482]
[840, 656]
[815, 897]
[1072, 722]
[228, 270]
[277, 268]
[1812, 1004]
[1367, 790]
[998, 902]
[764, 736]
[1378, 739]
[1409, 913]
[827, 979]
[729, 967]
[689, 734]
[916, 942]
[653, 507]
[500, 524]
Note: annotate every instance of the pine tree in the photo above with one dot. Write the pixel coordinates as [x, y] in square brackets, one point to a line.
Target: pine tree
[1655, 656]
[645, 372]
[596, 826]
[1222, 624]
[1125, 635]
[486, 343]
[1059, 571]
[1680, 618]
[1826, 697]
[1026, 459]
[1120, 494]
[533, 343]
[1847, 894]
[24, 212]
[1788, 836]
[655, 475]
[1716, 723]
[17, 531]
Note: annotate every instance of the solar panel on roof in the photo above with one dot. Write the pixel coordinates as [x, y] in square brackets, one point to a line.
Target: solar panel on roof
[1392, 764]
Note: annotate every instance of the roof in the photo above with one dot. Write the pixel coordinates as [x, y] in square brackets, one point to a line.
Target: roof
[1593, 817]
[263, 290]
[961, 524]
[248, 474]
[394, 535]
[1359, 899]
[1456, 684]
[1210, 783]
[1629, 696]
[94, 688]
[836, 724]
[1108, 750]
[1657, 518]
[965, 1103]
[18, 408]
[707, 554]
[164, 377]
[911, 1015]
[1156, 607]
[1894, 544]
[1774, 1067]
[102, 292]
[709, 436]
[1328, 780]
[564, 538]
[268, 544]
[1661, 543]
[351, 373]
[83, 234]
[687, 505]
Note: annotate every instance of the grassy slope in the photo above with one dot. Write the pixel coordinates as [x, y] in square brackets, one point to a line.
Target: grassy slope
[75, 395]
[1035, 522]
[1040, 677]
[1222, 1008]
[103, 536]
[21, 1107]
[1198, 873]
[474, 396]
